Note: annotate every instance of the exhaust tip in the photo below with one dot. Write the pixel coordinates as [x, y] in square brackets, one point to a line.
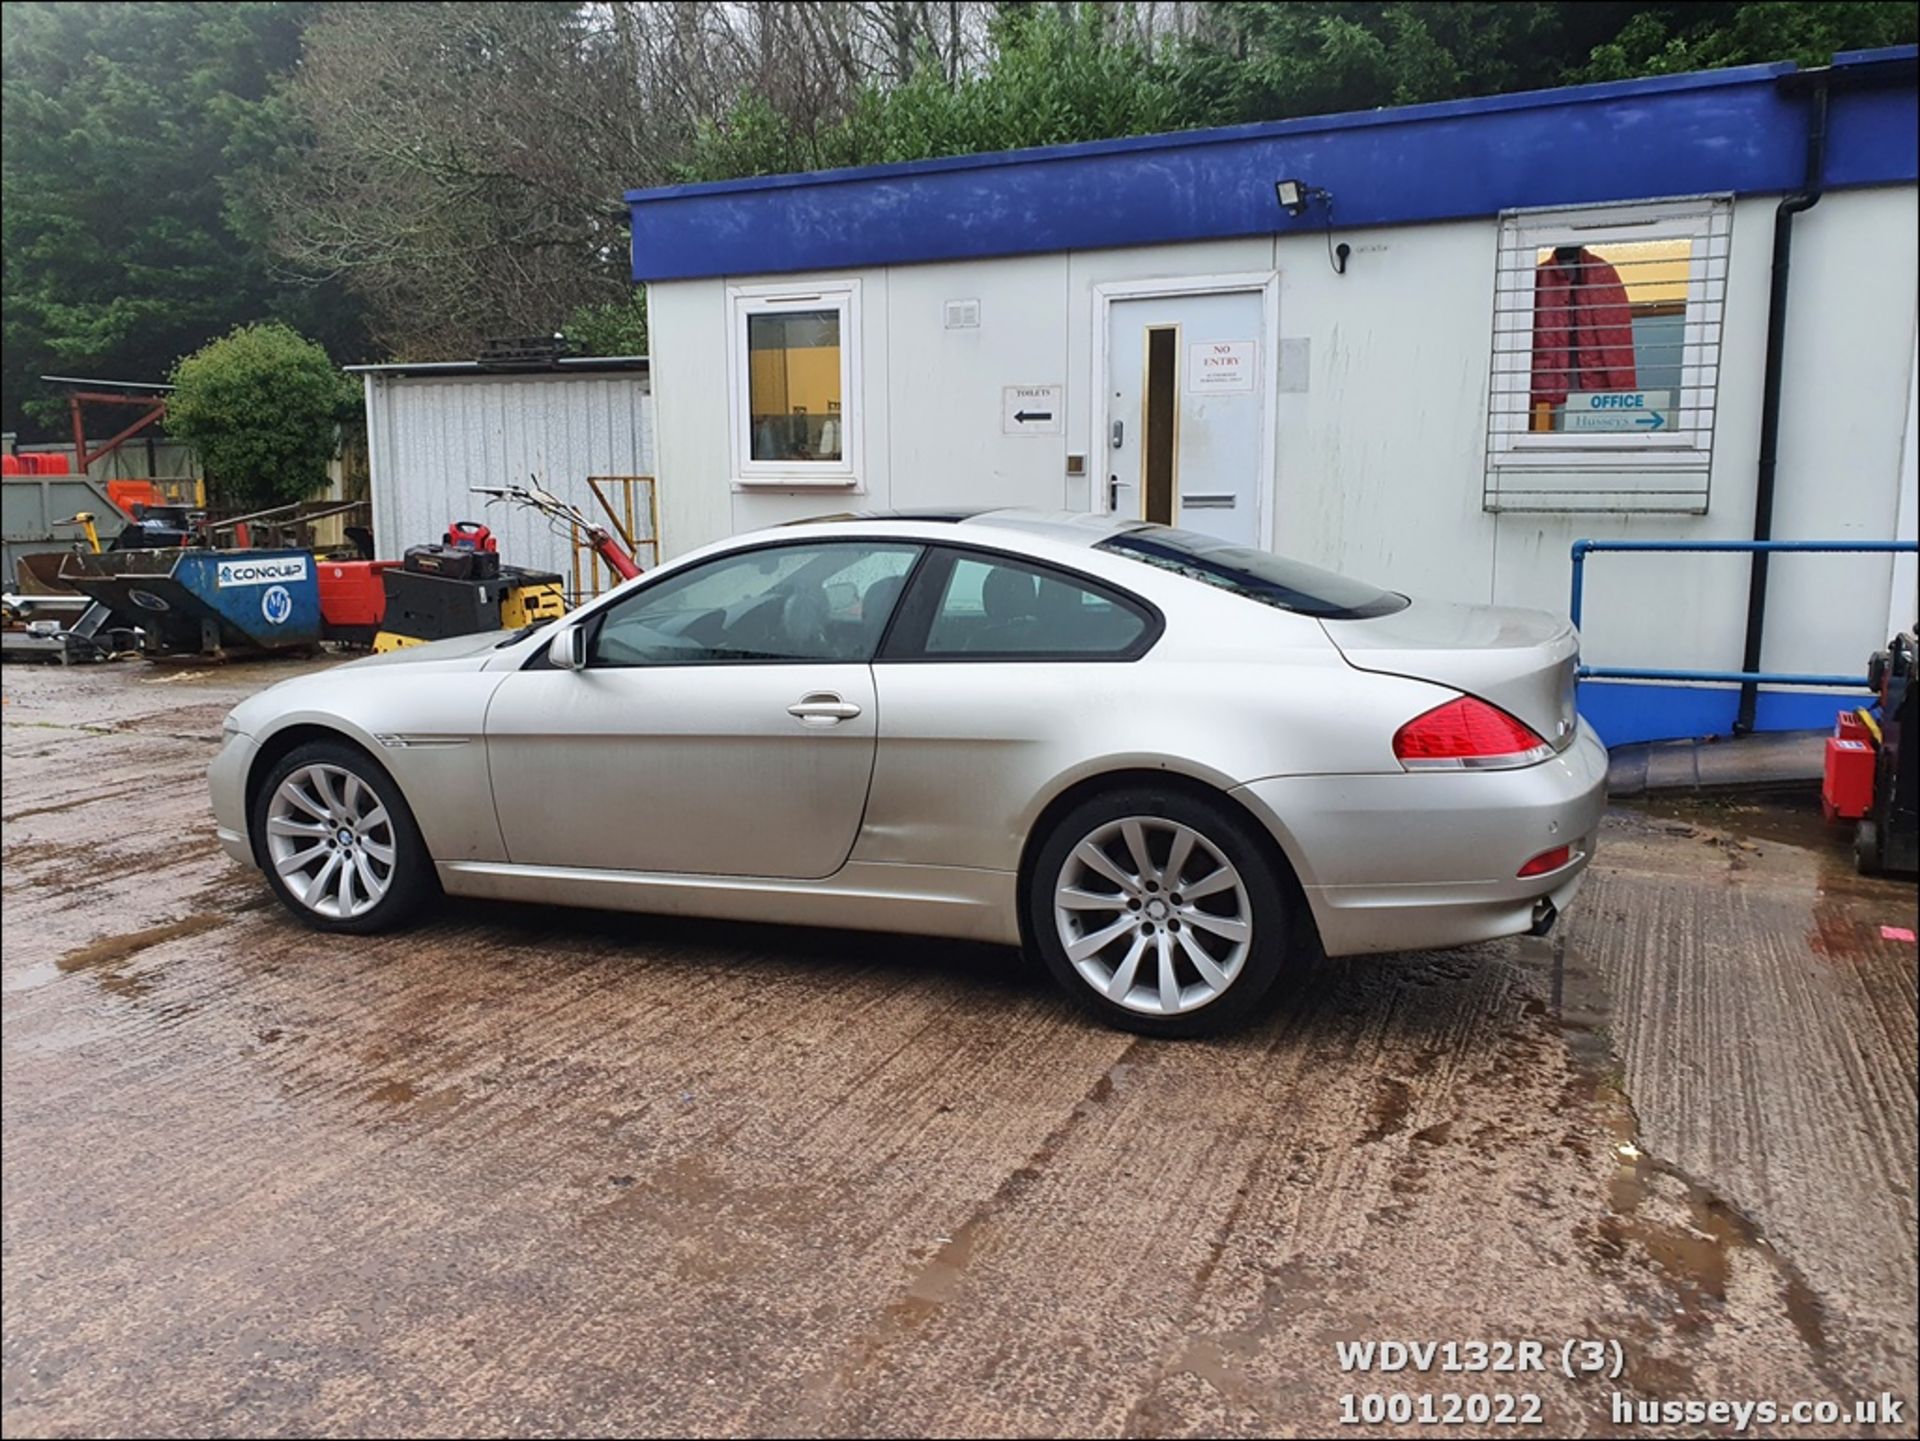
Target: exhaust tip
[1545, 913]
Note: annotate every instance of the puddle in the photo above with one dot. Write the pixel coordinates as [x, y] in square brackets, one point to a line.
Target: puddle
[1789, 838]
[1657, 1215]
[104, 957]
[1752, 826]
[1391, 1103]
[1792, 820]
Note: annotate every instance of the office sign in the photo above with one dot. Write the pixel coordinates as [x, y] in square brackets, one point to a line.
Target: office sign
[1632, 412]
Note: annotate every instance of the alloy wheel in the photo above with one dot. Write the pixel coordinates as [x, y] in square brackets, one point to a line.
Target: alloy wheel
[331, 841]
[1153, 915]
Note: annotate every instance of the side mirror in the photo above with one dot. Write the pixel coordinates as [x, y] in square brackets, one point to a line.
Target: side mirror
[568, 649]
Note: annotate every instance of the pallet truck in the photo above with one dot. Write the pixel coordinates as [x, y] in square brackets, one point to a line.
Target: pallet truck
[1887, 837]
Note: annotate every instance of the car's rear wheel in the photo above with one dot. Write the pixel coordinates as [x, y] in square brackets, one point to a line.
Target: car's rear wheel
[1158, 911]
[337, 842]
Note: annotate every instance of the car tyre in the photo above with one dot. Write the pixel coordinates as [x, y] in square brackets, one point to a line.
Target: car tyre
[337, 841]
[1187, 943]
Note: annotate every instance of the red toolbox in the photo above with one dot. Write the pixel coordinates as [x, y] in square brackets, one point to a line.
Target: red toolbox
[1846, 783]
[469, 535]
[352, 593]
[1851, 725]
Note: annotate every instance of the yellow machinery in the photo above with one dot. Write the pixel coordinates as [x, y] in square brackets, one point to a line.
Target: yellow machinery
[84, 520]
[423, 607]
[536, 600]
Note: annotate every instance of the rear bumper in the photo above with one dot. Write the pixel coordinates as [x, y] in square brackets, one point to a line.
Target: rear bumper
[1424, 860]
[227, 783]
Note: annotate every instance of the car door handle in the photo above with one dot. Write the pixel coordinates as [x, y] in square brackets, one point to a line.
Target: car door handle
[822, 706]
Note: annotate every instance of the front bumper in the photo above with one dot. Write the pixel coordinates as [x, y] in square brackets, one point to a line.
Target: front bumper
[1424, 860]
[227, 781]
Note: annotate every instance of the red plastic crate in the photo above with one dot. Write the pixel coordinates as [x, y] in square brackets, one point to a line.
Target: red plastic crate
[126, 494]
[351, 591]
[1846, 788]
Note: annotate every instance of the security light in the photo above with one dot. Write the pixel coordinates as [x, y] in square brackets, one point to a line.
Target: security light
[1296, 195]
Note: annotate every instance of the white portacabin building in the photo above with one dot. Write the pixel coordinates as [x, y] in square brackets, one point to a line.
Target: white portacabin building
[1460, 337]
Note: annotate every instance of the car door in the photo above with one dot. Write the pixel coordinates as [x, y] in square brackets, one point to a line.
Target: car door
[724, 723]
[992, 676]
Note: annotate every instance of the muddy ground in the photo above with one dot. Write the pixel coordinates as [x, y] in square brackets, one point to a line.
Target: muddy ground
[552, 1172]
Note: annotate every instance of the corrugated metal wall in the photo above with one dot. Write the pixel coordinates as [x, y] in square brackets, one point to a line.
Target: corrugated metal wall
[430, 438]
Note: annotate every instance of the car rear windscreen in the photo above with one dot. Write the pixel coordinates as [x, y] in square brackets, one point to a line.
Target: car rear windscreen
[1256, 574]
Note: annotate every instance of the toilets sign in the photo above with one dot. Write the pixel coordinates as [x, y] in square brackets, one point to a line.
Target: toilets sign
[1636, 412]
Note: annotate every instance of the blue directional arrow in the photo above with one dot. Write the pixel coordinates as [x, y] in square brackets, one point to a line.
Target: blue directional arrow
[1652, 422]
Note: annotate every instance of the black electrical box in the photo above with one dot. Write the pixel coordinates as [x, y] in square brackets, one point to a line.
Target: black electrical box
[434, 607]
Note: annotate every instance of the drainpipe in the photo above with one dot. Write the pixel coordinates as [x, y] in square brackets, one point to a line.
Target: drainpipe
[1776, 336]
[1805, 198]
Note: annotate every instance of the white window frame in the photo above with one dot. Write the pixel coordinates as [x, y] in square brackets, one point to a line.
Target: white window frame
[748, 300]
[1708, 221]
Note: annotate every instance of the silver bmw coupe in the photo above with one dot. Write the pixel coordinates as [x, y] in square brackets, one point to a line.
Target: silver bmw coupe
[1166, 765]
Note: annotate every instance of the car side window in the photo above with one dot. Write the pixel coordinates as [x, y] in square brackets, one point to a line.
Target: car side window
[999, 608]
[820, 602]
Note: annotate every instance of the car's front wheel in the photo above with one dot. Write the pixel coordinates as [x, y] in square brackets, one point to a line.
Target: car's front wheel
[1159, 911]
[337, 842]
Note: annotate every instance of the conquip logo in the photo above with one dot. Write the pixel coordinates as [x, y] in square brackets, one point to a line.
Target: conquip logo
[261, 572]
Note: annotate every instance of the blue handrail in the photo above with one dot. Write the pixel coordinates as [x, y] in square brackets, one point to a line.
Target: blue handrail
[1583, 548]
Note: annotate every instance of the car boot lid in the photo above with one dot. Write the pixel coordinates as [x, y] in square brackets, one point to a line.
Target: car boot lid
[1523, 661]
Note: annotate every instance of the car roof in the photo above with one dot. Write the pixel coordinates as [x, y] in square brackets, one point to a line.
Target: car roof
[1066, 527]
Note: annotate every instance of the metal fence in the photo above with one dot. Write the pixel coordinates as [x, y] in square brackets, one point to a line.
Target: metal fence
[1583, 548]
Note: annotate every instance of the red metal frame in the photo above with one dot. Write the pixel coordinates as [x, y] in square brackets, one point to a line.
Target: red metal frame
[76, 400]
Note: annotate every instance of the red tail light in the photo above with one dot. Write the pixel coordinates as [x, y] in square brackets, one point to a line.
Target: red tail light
[1467, 734]
[1547, 861]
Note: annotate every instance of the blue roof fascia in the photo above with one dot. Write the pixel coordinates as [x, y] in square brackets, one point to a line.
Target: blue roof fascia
[1846, 59]
[1714, 131]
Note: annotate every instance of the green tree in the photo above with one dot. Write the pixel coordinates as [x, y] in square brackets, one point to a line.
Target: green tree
[610, 328]
[263, 405]
[1056, 76]
[1666, 39]
[427, 174]
[1070, 72]
[129, 235]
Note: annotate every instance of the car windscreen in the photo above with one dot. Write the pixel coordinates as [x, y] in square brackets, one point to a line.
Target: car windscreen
[1256, 574]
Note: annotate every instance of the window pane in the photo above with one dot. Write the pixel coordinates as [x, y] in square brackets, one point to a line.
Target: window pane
[1609, 333]
[1256, 574]
[1001, 608]
[793, 385]
[790, 602]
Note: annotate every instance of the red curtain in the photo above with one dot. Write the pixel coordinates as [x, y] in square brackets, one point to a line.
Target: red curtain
[1582, 327]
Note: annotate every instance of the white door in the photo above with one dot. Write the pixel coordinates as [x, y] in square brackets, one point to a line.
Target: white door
[1186, 408]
